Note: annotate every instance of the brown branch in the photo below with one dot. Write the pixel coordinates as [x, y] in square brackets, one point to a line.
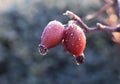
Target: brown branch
[76, 18]
[105, 28]
[100, 11]
[88, 29]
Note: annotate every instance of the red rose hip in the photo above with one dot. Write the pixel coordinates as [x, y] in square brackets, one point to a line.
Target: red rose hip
[51, 36]
[75, 41]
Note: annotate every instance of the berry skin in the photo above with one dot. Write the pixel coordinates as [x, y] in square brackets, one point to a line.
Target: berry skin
[75, 41]
[51, 36]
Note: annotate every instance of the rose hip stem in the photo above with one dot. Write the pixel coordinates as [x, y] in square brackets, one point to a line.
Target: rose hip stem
[87, 29]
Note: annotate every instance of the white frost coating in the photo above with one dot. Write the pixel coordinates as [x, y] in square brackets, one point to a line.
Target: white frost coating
[77, 63]
[68, 13]
[54, 24]
[50, 24]
[71, 24]
[84, 37]
[74, 56]
[66, 40]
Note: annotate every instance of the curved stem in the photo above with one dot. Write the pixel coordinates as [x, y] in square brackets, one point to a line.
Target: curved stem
[76, 18]
[87, 29]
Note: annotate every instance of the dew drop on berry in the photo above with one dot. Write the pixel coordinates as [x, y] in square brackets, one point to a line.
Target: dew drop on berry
[79, 39]
[66, 40]
[66, 32]
[72, 44]
[71, 34]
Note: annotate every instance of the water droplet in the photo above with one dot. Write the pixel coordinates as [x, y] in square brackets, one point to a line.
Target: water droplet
[66, 32]
[71, 34]
[77, 46]
[79, 39]
[66, 40]
[72, 44]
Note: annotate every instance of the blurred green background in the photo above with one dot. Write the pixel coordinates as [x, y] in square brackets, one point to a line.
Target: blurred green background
[21, 26]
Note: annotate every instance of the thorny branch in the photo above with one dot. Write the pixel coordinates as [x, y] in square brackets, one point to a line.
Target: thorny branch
[87, 29]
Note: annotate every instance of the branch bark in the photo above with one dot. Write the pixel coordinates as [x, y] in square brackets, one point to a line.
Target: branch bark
[87, 29]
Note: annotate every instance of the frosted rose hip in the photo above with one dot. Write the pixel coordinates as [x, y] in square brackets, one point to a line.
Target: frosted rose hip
[75, 41]
[51, 36]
